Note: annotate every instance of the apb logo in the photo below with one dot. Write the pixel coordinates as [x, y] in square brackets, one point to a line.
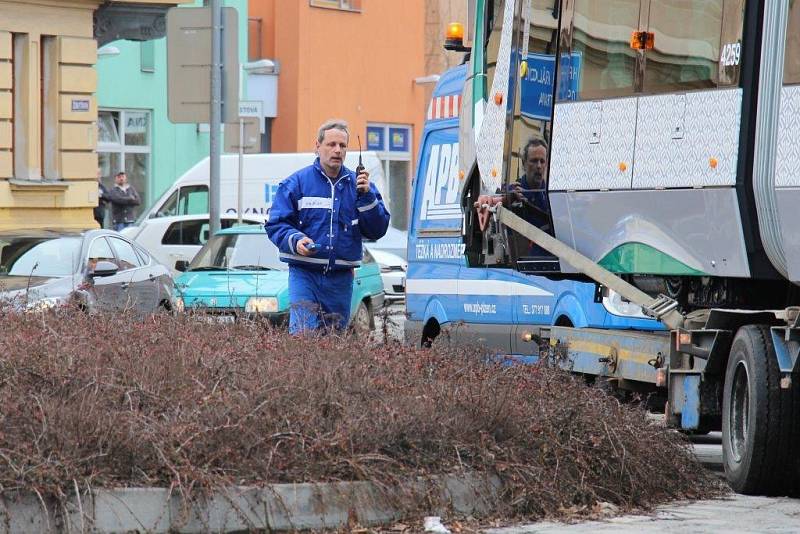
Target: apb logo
[440, 196]
[270, 190]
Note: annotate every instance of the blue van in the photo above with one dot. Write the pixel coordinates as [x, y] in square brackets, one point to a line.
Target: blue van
[499, 308]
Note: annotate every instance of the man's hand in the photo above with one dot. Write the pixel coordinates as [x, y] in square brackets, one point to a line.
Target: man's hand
[516, 189]
[362, 182]
[302, 247]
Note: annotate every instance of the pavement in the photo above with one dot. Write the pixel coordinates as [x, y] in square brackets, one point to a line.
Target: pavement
[737, 514]
[734, 514]
[394, 318]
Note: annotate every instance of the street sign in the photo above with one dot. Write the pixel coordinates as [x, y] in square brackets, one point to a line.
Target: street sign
[253, 108]
[189, 64]
[252, 136]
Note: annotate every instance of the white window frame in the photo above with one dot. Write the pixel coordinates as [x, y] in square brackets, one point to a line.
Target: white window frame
[122, 149]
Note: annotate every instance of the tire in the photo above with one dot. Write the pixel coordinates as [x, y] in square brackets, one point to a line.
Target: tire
[757, 417]
[363, 320]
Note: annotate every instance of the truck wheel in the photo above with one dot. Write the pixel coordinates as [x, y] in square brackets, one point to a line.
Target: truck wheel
[756, 417]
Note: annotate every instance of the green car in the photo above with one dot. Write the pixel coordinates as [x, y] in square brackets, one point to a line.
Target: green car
[238, 273]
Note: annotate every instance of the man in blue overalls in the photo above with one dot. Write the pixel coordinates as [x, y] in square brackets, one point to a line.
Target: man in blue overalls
[317, 220]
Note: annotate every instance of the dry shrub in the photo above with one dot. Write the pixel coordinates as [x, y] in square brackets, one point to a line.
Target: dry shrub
[171, 401]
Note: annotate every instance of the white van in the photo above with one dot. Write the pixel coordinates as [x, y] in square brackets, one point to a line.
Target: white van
[261, 175]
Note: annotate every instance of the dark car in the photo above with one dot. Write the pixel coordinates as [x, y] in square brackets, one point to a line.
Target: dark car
[93, 269]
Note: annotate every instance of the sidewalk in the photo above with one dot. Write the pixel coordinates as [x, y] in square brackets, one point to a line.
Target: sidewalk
[739, 513]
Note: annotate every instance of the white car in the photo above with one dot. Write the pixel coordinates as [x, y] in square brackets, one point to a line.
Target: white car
[174, 240]
[394, 241]
[393, 273]
[390, 253]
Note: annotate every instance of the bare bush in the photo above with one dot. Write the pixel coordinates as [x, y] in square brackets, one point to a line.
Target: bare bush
[173, 401]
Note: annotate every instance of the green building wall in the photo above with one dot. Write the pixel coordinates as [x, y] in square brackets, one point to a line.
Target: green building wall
[136, 79]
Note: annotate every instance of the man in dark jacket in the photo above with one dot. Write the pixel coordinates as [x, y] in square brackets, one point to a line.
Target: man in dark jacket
[124, 199]
[317, 220]
[102, 200]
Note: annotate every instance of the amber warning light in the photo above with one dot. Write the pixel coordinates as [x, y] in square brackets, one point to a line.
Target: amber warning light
[454, 39]
[643, 40]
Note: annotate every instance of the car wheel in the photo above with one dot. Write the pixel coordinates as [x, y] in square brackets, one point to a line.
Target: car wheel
[362, 320]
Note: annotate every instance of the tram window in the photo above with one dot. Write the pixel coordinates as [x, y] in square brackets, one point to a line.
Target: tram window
[686, 53]
[601, 42]
[791, 63]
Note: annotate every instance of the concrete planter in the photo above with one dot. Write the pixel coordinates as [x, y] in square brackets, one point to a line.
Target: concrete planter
[240, 508]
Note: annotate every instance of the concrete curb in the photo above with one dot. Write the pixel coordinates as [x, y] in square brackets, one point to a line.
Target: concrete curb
[242, 508]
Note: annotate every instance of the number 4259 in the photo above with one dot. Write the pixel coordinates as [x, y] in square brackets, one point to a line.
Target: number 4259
[731, 54]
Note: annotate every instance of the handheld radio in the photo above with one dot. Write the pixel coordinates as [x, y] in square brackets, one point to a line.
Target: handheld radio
[360, 167]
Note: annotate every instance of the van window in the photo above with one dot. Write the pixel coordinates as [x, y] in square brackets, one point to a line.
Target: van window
[188, 200]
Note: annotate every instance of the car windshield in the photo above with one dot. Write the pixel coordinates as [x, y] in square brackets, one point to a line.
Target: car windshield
[39, 256]
[238, 252]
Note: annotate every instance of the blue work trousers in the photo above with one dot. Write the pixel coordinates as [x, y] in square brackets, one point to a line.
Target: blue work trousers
[318, 300]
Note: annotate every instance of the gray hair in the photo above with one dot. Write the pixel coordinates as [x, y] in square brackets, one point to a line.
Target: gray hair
[332, 124]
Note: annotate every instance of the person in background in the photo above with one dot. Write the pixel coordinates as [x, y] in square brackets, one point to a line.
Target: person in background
[317, 220]
[102, 200]
[124, 198]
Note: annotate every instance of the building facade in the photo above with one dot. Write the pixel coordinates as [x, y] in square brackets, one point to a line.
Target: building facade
[134, 132]
[48, 108]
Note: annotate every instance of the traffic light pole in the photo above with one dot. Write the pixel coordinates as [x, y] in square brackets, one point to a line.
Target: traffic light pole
[216, 116]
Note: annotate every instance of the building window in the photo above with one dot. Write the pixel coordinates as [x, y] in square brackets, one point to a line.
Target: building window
[26, 79]
[346, 5]
[392, 143]
[147, 56]
[124, 145]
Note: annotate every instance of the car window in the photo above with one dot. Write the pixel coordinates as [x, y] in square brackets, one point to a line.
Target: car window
[194, 232]
[143, 256]
[126, 256]
[238, 251]
[367, 257]
[39, 256]
[100, 250]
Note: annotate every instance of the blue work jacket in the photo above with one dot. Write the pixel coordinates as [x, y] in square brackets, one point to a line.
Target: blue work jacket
[328, 210]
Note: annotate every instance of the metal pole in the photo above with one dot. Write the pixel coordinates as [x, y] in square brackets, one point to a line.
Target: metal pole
[216, 115]
[239, 199]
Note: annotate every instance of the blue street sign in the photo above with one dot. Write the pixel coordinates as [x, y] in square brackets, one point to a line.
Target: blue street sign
[537, 85]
